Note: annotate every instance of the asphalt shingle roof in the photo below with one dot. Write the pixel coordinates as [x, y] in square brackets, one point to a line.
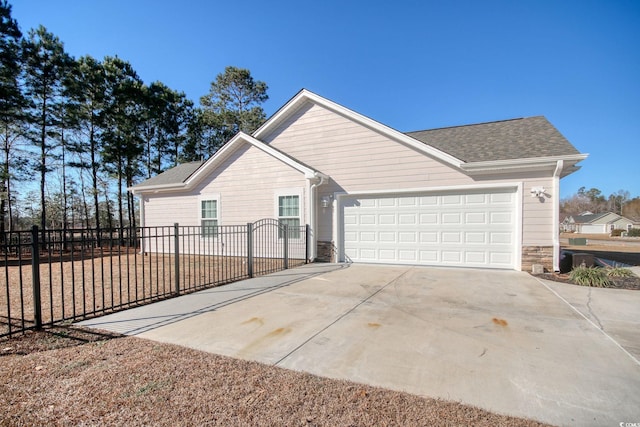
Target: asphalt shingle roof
[585, 219]
[503, 140]
[174, 175]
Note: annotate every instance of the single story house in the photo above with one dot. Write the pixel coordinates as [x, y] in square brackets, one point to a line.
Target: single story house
[600, 223]
[482, 195]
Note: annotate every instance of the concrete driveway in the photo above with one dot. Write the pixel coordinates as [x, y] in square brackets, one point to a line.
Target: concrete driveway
[501, 340]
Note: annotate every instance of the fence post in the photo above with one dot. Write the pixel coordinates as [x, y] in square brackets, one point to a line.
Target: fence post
[250, 249]
[176, 246]
[35, 276]
[306, 244]
[286, 246]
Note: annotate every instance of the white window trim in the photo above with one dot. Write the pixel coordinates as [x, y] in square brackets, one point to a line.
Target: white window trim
[289, 192]
[205, 197]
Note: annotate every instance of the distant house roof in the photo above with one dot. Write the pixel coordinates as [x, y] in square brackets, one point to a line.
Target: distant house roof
[588, 218]
[502, 140]
[600, 218]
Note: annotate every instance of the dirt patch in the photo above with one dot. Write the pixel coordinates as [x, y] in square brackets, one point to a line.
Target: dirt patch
[54, 378]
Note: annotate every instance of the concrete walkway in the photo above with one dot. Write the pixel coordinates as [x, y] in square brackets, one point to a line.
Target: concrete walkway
[138, 320]
[501, 340]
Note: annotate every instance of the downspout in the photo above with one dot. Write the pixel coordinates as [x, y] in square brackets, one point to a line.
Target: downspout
[556, 215]
[320, 179]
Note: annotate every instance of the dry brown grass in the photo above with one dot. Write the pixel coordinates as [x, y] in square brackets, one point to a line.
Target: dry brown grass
[76, 377]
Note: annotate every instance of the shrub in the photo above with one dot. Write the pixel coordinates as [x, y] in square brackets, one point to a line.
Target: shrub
[617, 232]
[617, 271]
[634, 232]
[590, 276]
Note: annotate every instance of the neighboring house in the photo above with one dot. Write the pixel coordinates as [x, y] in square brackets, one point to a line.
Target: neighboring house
[602, 223]
[483, 195]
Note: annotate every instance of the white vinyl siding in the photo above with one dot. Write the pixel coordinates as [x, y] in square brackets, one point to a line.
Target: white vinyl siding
[247, 181]
[355, 157]
[538, 219]
[245, 184]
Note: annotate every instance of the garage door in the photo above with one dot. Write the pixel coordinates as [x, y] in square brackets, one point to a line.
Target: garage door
[455, 229]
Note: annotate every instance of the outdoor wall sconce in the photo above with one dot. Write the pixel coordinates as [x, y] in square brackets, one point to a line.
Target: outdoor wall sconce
[325, 201]
[537, 191]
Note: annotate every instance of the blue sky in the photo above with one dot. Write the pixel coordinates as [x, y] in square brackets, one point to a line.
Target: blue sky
[411, 65]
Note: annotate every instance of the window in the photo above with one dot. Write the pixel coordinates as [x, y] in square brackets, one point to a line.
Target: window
[209, 218]
[289, 214]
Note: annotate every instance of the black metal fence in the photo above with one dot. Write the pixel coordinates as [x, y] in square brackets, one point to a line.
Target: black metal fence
[61, 276]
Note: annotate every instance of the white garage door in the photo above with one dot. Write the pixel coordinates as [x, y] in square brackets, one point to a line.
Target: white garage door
[454, 229]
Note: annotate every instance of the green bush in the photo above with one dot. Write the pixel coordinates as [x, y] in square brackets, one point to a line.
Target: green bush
[634, 232]
[618, 272]
[590, 276]
[617, 232]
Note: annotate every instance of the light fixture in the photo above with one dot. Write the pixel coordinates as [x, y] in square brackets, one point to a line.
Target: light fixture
[537, 191]
[325, 201]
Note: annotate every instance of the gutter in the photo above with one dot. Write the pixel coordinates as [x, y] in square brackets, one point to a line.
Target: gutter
[506, 166]
[155, 188]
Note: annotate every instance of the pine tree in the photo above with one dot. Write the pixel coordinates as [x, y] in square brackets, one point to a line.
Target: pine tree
[89, 92]
[45, 64]
[12, 102]
[233, 105]
[123, 144]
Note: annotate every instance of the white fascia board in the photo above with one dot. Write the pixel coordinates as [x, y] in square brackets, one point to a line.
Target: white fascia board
[514, 165]
[307, 96]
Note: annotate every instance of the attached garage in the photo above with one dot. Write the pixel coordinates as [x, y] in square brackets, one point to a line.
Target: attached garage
[454, 228]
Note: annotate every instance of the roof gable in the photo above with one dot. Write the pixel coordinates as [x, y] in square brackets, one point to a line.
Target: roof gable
[178, 179]
[305, 96]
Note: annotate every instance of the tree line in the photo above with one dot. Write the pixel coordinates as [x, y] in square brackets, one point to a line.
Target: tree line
[594, 201]
[76, 132]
